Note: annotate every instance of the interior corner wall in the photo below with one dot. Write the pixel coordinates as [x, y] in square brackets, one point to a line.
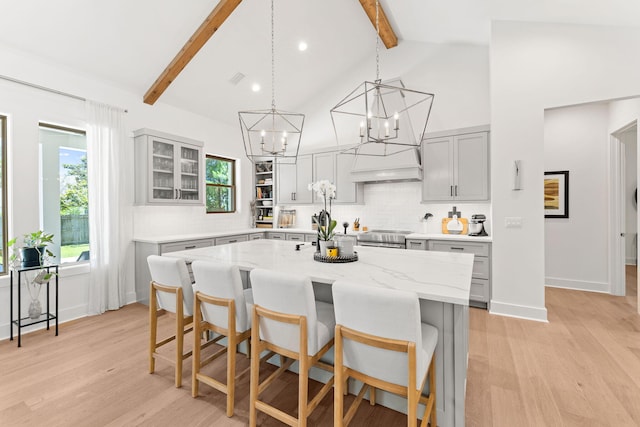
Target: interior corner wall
[576, 249]
[537, 66]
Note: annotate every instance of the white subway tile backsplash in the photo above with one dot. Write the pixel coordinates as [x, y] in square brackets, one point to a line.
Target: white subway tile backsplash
[395, 206]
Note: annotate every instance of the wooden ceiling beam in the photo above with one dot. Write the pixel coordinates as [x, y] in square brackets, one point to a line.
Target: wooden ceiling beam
[210, 25]
[387, 35]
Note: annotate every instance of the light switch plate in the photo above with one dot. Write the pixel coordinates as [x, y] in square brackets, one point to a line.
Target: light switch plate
[513, 222]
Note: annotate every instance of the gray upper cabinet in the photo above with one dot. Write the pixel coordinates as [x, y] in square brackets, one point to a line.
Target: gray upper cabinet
[336, 168]
[169, 169]
[293, 181]
[456, 167]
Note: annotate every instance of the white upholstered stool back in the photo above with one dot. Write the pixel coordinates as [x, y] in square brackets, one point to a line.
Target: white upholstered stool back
[290, 294]
[173, 272]
[222, 280]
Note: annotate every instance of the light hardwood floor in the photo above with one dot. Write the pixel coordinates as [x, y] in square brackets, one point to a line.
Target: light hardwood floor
[580, 369]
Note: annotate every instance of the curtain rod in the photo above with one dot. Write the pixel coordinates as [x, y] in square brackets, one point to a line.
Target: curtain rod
[47, 89]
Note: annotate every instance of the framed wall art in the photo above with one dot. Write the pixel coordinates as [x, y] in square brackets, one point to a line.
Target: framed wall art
[556, 194]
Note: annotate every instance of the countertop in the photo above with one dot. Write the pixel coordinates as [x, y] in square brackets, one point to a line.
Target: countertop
[459, 237]
[436, 276]
[171, 238]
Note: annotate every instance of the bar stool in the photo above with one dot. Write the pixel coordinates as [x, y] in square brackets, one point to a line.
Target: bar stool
[381, 342]
[288, 321]
[223, 307]
[171, 290]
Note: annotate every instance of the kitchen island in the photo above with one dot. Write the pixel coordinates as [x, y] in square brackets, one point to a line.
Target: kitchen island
[441, 280]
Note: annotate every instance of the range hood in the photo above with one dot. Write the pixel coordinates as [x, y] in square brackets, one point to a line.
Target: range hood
[403, 165]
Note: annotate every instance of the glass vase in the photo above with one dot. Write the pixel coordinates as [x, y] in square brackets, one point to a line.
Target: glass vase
[35, 307]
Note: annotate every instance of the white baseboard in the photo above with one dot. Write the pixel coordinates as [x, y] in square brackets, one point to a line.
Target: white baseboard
[579, 285]
[130, 298]
[630, 261]
[520, 311]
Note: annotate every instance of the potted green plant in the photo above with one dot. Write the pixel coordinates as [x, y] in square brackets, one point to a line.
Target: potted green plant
[33, 252]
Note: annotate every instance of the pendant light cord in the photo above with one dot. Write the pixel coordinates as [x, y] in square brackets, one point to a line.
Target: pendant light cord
[273, 60]
[377, 44]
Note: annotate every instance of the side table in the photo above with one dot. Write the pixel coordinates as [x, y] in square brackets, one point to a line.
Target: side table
[47, 316]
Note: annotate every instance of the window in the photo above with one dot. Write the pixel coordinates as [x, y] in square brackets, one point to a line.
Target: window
[220, 176]
[3, 193]
[65, 202]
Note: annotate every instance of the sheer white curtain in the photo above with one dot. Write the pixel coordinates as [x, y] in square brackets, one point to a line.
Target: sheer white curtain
[105, 139]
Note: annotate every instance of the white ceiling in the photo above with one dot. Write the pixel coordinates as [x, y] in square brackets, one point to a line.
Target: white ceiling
[131, 42]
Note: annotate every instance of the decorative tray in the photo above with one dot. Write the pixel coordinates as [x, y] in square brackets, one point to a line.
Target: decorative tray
[335, 259]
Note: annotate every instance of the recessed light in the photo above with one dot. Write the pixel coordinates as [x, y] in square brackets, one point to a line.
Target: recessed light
[255, 87]
[302, 46]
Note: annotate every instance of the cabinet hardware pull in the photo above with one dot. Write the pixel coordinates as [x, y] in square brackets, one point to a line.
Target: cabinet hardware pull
[451, 190]
[190, 247]
[233, 241]
[176, 194]
[456, 249]
[456, 190]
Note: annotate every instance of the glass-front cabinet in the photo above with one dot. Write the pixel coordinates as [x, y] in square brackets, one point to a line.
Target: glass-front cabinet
[168, 169]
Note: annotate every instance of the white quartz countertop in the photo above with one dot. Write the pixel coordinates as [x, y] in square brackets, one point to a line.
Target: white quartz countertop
[437, 276]
[458, 237]
[170, 238]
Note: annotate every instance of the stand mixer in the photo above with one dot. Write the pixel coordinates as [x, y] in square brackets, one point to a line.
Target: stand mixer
[476, 225]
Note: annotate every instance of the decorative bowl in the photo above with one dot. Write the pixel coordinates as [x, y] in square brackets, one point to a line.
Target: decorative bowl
[267, 203]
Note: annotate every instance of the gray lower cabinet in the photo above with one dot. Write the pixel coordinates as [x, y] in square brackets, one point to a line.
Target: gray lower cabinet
[256, 236]
[297, 237]
[144, 249]
[275, 235]
[480, 294]
[416, 244]
[231, 239]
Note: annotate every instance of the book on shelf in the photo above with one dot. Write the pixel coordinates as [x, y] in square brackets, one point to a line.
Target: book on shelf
[259, 193]
[264, 225]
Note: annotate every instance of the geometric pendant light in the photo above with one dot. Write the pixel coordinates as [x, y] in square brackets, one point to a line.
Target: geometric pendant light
[379, 118]
[271, 134]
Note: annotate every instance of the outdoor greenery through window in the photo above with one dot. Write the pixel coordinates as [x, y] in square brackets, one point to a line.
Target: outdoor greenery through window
[65, 207]
[221, 184]
[3, 194]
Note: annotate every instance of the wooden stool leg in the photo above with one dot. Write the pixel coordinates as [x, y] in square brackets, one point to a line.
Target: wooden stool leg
[197, 342]
[153, 327]
[255, 368]
[231, 374]
[372, 396]
[432, 391]
[303, 391]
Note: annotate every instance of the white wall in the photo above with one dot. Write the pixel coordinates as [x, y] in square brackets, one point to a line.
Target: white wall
[533, 67]
[576, 248]
[26, 107]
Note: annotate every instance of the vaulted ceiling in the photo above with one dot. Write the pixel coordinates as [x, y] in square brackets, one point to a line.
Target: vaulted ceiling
[130, 43]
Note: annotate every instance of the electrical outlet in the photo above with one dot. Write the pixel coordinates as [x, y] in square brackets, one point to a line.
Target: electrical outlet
[513, 222]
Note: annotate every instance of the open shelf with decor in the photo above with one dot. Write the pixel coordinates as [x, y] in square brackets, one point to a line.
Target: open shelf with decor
[264, 193]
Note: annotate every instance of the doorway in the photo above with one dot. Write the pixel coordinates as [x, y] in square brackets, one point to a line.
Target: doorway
[624, 210]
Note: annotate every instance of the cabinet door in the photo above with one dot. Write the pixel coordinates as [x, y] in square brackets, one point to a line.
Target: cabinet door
[286, 183]
[437, 164]
[346, 189]
[161, 156]
[472, 169]
[304, 177]
[188, 173]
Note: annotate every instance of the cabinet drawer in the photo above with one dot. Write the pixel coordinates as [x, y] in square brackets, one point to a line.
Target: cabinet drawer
[310, 237]
[480, 267]
[480, 249]
[479, 290]
[420, 245]
[256, 236]
[183, 246]
[231, 239]
[297, 237]
[275, 236]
